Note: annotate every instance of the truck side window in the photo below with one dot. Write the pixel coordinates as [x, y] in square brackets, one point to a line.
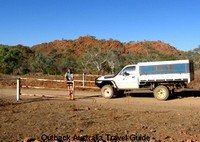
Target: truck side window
[128, 71]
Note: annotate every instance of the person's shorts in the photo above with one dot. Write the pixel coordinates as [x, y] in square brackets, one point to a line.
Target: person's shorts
[69, 83]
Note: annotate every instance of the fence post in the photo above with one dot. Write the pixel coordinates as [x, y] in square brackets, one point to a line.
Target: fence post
[83, 79]
[18, 89]
[73, 87]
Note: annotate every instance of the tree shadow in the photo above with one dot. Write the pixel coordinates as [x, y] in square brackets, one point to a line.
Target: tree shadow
[90, 97]
[186, 93]
[177, 95]
[35, 99]
[44, 98]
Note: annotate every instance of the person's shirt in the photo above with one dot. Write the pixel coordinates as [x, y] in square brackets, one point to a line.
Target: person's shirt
[69, 76]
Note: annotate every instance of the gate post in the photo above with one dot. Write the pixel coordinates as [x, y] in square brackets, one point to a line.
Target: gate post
[18, 89]
[83, 80]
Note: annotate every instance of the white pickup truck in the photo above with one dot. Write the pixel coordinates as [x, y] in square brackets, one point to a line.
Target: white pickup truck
[163, 78]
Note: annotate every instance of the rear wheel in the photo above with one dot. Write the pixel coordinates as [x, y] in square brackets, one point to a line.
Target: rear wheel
[161, 93]
[107, 91]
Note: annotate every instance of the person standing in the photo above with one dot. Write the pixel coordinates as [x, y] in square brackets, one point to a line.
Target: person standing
[70, 84]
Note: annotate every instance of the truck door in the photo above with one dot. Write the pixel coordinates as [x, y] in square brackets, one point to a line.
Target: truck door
[127, 78]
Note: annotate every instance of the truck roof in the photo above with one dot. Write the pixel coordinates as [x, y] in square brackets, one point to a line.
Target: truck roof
[163, 62]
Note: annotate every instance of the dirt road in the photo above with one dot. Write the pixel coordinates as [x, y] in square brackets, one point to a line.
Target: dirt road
[47, 115]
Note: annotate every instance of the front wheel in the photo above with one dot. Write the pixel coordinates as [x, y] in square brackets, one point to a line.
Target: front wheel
[107, 91]
[161, 93]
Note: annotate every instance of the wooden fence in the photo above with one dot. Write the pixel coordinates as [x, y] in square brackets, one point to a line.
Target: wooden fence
[81, 81]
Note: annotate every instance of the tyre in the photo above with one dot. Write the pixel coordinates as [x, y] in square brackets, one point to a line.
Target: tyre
[161, 93]
[107, 91]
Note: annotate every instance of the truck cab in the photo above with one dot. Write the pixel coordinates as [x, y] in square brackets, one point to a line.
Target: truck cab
[127, 78]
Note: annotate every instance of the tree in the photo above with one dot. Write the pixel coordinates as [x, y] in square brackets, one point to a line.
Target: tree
[67, 62]
[113, 60]
[3, 52]
[103, 60]
[43, 64]
[11, 60]
[132, 58]
[95, 58]
[84, 64]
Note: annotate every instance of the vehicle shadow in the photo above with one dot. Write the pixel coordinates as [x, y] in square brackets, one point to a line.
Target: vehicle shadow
[140, 95]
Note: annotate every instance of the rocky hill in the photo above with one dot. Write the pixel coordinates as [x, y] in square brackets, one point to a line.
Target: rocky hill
[85, 43]
[86, 54]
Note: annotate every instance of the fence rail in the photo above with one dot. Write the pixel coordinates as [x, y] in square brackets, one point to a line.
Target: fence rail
[81, 81]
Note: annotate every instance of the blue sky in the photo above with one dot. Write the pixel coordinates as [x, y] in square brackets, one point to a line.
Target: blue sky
[30, 22]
